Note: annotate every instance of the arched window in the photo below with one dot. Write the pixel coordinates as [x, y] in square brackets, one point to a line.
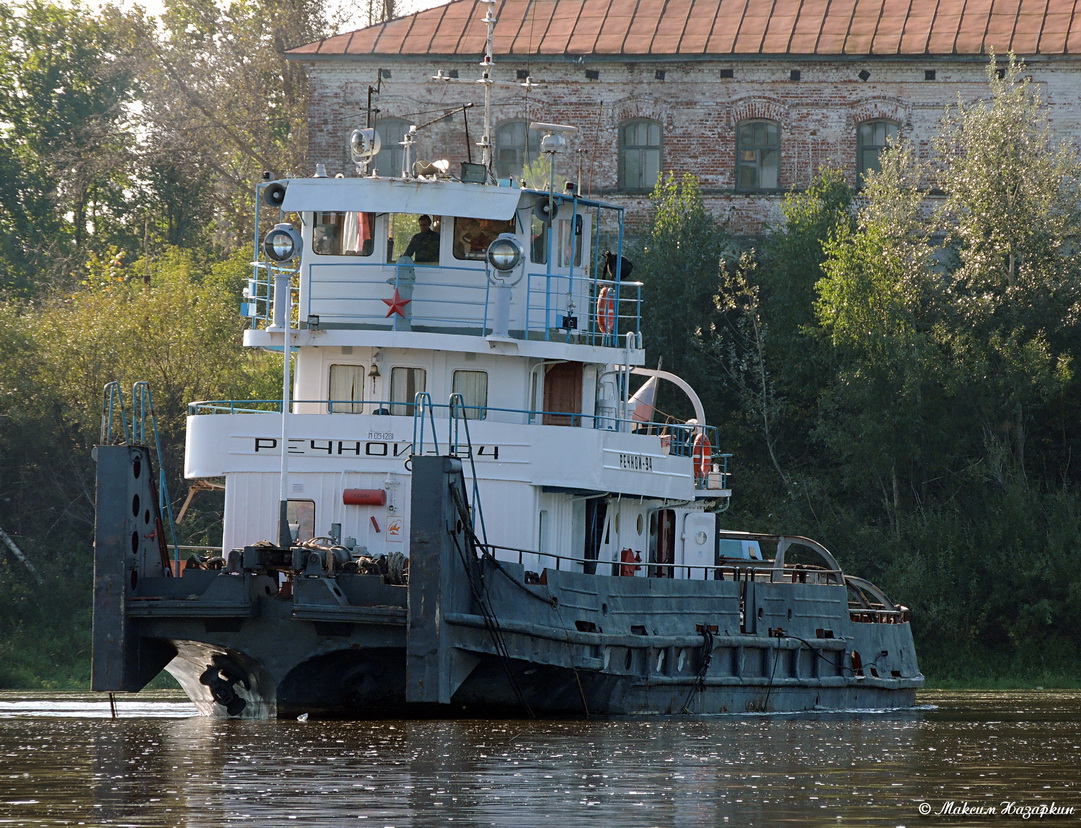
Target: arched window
[639, 154]
[758, 156]
[871, 138]
[516, 145]
[391, 154]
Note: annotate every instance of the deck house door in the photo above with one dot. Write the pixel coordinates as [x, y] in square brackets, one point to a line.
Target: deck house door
[563, 394]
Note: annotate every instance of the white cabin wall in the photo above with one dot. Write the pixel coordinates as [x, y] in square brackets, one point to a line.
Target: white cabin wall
[251, 509]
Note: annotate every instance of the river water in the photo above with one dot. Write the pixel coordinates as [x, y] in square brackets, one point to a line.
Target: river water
[964, 758]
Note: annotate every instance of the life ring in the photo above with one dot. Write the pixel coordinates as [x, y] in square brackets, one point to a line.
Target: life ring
[606, 311]
[702, 455]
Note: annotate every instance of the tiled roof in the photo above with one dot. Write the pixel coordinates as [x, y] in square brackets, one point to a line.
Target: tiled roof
[665, 28]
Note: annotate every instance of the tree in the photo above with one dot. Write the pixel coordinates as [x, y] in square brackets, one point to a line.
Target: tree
[223, 105]
[680, 268]
[954, 344]
[1012, 212]
[65, 132]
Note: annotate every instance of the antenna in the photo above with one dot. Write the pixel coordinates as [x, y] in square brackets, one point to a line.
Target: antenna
[485, 142]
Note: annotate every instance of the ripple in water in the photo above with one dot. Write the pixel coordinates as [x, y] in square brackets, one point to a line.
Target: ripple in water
[157, 765]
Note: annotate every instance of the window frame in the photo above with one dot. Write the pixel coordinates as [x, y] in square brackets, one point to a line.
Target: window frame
[863, 148]
[337, 225]
[525, 151]
[391, 152]
[354, 405]
[473, 409]
[644, 152]
[405, 407]
[761, 152]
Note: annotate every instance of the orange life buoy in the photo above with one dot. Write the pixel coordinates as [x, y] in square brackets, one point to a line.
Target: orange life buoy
[702, 455]
[606, 311]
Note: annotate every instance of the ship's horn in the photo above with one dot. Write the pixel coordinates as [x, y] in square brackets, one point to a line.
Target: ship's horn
[274, 194]
[439, 167]
[546, 210]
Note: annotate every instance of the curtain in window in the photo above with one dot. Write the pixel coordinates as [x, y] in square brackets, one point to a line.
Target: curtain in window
[347, 388]
[473, 386]
[405, 383]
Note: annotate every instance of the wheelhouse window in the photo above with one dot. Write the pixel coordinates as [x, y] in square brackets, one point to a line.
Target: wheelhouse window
[570, 242]
[538, 247]
[388, 163]
[414, 235]
[871, 138]
[639, 155]
[347, 389]
[405, 384]
[758, 156]
[473, 386]
[516, 146]
[472, 236]
[343, 234]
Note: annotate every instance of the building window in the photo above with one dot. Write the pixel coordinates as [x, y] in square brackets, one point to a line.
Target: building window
[758, 156]
[405, 384]
[516, 146]
[391, 154]
[473, 386]
[871, 138]
[347, 389]
[639, 155]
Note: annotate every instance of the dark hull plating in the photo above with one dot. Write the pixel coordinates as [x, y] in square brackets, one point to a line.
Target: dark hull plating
[470, 635]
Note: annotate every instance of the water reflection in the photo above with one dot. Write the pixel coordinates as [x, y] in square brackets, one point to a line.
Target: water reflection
[855, 769]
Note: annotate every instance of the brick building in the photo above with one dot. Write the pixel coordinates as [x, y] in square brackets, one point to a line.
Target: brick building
[751, 96]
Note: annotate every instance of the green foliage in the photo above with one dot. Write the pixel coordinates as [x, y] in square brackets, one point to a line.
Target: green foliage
[680, 266]
[916, 360]
[65, 138]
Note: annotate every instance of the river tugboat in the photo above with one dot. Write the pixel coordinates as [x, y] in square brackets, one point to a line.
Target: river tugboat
[459, 506]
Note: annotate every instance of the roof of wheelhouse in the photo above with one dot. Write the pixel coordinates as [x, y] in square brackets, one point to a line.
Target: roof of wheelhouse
[668, 28]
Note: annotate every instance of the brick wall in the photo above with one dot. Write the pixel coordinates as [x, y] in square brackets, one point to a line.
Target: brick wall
[697, 108]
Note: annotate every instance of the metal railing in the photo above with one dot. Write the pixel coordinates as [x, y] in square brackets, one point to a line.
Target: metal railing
[760, 571]
[568, 307]
[142, 431]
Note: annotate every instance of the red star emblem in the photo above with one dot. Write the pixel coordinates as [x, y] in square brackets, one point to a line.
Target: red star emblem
[397, 304]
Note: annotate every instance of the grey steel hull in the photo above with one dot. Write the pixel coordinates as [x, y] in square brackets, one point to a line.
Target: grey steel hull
[474, 636]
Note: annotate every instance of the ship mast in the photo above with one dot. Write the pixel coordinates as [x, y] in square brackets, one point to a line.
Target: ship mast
[485, 142]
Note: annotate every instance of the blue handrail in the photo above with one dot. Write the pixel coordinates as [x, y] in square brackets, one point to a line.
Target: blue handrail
[422, 404]
[113, 406]
[459, 415]
[143, 413]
